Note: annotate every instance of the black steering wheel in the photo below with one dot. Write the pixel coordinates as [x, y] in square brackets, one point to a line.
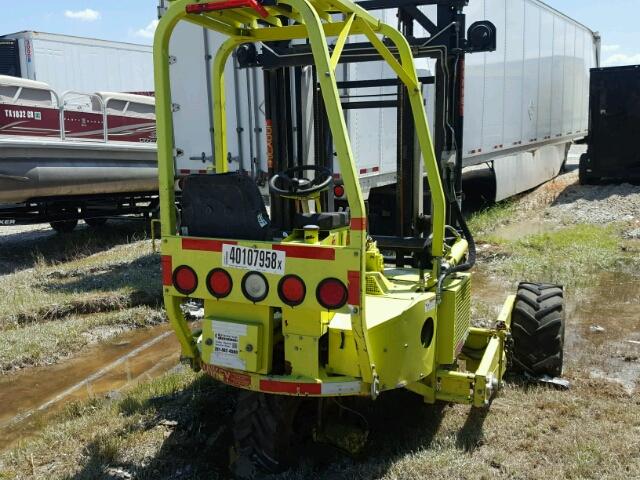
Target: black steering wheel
[291, 183]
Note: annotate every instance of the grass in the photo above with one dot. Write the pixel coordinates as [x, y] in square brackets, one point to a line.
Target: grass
[89, 286]
[39, 344]
[570, 256]
[120, 277]
[177, 426]
[489, 219]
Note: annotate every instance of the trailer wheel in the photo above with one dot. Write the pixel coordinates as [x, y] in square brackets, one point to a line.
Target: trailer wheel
[584, 177]
[263, 430]
[537, 328]
[95, 222]
[64, 226]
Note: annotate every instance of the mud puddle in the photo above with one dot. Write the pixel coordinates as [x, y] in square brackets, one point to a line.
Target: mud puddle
[28, 397]
[603, 329]
[603, 324]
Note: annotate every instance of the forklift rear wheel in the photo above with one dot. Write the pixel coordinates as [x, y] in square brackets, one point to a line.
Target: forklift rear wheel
[264, 430]
[64, 226]
[95, 222]
[537, 327]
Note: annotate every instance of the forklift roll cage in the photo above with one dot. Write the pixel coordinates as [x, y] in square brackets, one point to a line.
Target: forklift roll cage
[310, 26]
[412, 358]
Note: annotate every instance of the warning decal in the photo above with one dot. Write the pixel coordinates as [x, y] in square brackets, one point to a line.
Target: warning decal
[226, 344]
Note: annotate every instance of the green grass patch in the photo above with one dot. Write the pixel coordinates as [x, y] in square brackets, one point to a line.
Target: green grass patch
[497, 215]
[569, 256]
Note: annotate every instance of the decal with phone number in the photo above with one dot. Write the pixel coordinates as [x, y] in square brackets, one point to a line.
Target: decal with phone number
[259, 259]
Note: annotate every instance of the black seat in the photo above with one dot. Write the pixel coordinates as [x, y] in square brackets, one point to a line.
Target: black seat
[325, 221]
[226, 205]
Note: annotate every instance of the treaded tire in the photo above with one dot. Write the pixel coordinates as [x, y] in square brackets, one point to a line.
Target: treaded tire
[537, 329]
[263, 430]
[64, 226]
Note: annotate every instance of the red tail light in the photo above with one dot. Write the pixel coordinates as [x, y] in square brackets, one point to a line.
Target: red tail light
[338, 191]
[219, 283]
[292, 290]
[185, 280]
[332, 294]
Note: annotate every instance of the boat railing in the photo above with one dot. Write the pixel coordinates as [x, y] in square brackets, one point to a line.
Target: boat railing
[103, 111]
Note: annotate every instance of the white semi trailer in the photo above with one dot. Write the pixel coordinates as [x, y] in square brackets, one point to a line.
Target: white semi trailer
[524, 103]
[65, 62]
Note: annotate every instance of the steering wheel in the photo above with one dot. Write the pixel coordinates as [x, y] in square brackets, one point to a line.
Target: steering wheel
[292, 184]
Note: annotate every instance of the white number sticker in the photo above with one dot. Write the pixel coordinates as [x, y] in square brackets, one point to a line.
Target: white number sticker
[259, 259]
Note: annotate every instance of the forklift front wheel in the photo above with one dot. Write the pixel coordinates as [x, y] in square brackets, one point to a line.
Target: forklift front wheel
[537, 327]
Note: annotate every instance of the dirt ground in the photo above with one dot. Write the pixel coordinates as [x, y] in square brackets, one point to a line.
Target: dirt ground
[92, 299]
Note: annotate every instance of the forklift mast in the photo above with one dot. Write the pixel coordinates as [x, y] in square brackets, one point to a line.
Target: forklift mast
[448, 43]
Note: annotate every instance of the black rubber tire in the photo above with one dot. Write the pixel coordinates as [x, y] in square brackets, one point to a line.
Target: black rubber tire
[537, 328]
[64, 226]
[95, 222]
[263, 430]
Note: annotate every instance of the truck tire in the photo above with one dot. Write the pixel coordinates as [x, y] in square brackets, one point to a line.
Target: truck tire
[95, 222]
[263, 430]
[64, 226]
[537, 329]
[584, 177]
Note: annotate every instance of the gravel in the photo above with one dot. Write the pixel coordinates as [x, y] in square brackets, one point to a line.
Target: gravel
[599, 204]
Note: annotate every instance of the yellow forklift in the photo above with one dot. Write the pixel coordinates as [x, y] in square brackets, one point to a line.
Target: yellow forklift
[318, 310]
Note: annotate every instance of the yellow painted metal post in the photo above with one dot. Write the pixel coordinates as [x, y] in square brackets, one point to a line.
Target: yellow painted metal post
[164, 119]
[166, 173]
[219, 104]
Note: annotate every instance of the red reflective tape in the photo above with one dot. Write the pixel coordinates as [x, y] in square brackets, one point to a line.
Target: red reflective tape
[354, 288]
[167, 270]
[358, 223]
[204, 245]
[185, 171]
[311, 253]
[376, 169]
[211, 6]
[202, 171]
[293, 388]
[363, 171]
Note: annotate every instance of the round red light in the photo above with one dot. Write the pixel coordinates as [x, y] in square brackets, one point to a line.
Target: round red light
[338, 191]
[331, 293]
[292, 290]
[219, 283]
[185, 280]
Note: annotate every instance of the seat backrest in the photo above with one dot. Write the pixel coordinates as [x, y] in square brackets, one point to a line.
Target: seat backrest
[227, 205]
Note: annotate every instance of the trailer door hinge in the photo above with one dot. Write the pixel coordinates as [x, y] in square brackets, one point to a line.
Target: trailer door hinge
[175, 107]
[173, 60]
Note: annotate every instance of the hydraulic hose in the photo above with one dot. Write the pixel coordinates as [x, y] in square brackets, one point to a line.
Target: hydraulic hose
[471, 258]
[466, 232]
